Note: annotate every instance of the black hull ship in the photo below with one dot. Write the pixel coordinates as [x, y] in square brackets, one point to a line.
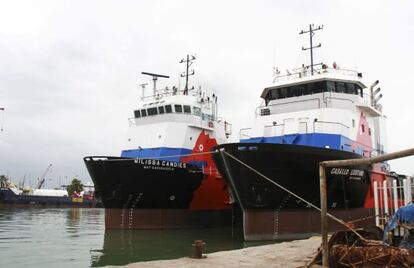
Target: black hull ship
[294, 167]
[130, 183]
[165, 176]
[311, 114]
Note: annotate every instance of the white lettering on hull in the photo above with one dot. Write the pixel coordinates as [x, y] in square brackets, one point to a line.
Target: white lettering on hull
[160, 164]
[345, 172]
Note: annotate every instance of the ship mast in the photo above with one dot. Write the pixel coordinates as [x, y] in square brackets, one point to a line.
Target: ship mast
[311, 32]
[188, 62]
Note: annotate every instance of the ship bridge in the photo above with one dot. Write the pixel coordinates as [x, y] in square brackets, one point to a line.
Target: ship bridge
[169, 122]
[331, 108]
[194, 110]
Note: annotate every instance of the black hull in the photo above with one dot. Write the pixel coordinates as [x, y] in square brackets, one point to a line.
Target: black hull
[143, 183]
[295, 168]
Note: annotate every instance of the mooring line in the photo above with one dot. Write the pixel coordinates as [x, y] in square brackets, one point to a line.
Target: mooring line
[292, 193]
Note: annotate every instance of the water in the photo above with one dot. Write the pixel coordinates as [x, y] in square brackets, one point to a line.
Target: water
[76, 237]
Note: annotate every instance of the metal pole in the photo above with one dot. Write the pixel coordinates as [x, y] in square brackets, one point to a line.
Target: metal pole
[405, 191]
[395, 194]
[376, 203]
[409, 190]
[324, 218]
[368, 161]
[186, 74]
[385, 192]
[395, 197]
[311, 48]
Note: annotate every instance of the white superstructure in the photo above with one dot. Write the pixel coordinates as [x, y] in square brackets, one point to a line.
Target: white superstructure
[331, 108]
[170, 121]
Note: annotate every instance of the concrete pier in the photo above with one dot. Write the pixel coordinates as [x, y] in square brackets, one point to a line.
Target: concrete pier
[286, 254]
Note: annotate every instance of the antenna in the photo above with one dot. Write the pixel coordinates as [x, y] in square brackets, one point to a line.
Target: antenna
[155, 78]
[311, 32]
[143, 89]
[188, 62]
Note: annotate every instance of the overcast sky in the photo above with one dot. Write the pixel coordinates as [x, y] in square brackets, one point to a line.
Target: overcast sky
[69, 69]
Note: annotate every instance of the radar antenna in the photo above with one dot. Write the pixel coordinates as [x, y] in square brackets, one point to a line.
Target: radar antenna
[154, 79]
[188, 62]
[311, 32]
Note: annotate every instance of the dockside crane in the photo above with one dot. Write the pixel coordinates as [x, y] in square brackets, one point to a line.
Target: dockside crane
[43, 178]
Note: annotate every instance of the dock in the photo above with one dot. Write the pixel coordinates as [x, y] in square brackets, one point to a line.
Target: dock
[286, 254]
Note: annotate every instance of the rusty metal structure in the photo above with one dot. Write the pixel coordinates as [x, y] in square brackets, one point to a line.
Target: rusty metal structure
[370, 256]
[197, 249]
[324, 214]
[346, 249]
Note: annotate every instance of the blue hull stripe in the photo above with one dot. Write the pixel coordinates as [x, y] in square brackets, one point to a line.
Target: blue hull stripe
[333, 141]
[157, 153]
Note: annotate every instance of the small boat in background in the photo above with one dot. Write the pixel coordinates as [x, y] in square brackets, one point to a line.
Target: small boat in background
[11, 195]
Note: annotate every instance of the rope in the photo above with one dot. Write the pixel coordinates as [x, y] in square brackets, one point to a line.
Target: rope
[295, 195]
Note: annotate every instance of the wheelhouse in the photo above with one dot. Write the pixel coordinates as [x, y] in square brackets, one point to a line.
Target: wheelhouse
[313, 87]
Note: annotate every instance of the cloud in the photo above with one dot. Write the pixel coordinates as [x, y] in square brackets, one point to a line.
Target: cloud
[70, 69]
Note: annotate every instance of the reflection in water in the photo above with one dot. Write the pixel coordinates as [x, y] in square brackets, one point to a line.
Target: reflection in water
[76, 237]
[125, 246]
[73, 216]
[47, 237]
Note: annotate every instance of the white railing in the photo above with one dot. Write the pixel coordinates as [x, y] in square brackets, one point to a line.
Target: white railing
[389, 195]
[244, 133]
[300, 73]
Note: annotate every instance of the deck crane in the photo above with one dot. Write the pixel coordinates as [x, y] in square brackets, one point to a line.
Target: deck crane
[43, 178]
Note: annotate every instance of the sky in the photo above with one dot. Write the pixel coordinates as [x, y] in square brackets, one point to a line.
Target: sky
[69, 70]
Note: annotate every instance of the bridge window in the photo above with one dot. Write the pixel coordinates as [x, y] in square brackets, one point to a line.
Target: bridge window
[168, 109]
[297, 90]
[313, 88]
[350, 88]
[161, 109]
[330, 86]
[187, 109]
[319, 87]
[197, 111]
[152, 111]
[137, 114]
[143, 112]
[283, 92]
[340, 87]
[178, 108]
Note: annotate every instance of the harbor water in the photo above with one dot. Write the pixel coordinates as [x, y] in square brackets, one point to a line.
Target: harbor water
[76, 237]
